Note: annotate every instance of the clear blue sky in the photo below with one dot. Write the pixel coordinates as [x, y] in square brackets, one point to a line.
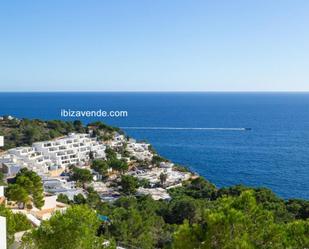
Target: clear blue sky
[161, 45]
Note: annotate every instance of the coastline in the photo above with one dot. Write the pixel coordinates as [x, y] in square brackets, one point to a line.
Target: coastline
[96, 175]
[255, 158]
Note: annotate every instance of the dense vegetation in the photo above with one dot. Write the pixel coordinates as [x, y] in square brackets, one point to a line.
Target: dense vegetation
[15, 222]
[76, 228]
[102, 166]
[81, 176]
[26, 189]
[198, 216]
[24, 132]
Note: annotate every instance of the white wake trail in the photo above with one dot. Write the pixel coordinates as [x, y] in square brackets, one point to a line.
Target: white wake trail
[184, 128]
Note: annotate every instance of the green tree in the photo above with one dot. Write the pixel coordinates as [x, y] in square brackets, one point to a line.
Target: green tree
[54, 134]
[129, 184]
[17, 193]
[78, 126]
[110, 153]
[81, 175]
[299, 209]
[117, 164]
[144, 183]
[31, 135]
[198, 188]
[2, 181]
[135, 223]
[201, 188]
[75, 229]
[93, 198]
[238, 222]
[133, 229]
[15, 222]
[182, 209]
[100, 166]
[63, 198]
[79, 199]
[297, 234]
[32, 183]
[156, 159]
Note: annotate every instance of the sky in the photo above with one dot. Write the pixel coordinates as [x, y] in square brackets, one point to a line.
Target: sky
[135, 45]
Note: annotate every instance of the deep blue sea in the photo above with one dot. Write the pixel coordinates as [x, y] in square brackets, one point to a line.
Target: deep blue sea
[274, 153]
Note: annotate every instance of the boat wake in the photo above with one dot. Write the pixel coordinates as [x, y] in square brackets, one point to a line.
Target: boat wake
[184, 128]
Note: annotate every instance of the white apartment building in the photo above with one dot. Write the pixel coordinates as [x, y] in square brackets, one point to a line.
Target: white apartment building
[31, 158]
[139, 150]
[117, 141]
[2, 219]
[10, 165]
[73, 149]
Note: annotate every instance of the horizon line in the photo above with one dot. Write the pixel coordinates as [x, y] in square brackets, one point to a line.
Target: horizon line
[152, 91]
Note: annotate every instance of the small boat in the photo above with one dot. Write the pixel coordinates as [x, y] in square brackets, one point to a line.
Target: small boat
[248, 129]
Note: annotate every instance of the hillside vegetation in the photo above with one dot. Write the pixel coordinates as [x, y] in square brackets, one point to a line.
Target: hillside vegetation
[24, 132]
[198, 216]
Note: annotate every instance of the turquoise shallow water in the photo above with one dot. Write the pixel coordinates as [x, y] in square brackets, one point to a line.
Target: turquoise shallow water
[274, 153]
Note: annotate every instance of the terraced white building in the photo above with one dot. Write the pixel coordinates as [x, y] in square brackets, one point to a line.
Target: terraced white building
[42, 157]
[30, 158]
[73, 149]
[139, 150]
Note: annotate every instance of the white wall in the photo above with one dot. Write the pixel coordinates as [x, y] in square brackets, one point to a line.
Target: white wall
[1, 191]
[2, 219]
[2, 232]
[1, 141]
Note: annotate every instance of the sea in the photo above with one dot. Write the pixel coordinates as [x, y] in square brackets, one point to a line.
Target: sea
[256, 139]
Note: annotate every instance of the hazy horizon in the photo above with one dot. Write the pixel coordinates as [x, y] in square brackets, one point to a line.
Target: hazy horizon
[150, 91]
